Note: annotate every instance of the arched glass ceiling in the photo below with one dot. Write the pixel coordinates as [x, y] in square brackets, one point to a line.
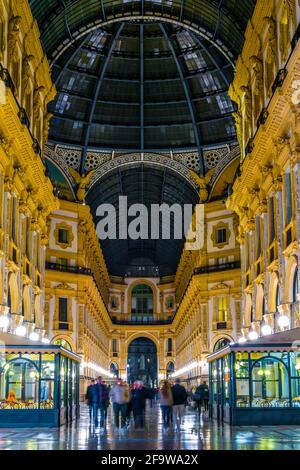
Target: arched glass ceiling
[222, 21]
[145, 184]
[134, 86]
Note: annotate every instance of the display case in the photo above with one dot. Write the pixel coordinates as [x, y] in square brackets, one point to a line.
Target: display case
[39, 386]
[257, 383]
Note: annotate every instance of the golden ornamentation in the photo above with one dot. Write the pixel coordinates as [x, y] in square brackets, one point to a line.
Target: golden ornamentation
[82, 182]
[257, 65]
[13, 33]
[271, 56]
[70, 235]
[37, 101]
[26, 72]
[239, 127]
[214, 235]
[47, 119]
[247, 102]
[202, 183]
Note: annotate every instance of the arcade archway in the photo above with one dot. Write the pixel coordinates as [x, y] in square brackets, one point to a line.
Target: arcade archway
[142, 361]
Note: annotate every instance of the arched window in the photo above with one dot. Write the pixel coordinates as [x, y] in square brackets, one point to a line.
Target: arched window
[270, 384]
[22, 384]
[170, 347]
[114, 369]
[295, 286]
[142, 300]
[63, 343]
[170, 369]
[221, 343]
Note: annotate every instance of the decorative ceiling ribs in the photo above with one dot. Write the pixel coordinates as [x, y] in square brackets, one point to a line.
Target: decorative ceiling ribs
[96, 95]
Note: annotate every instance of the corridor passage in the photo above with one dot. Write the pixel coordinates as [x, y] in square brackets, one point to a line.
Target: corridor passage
[195, 435]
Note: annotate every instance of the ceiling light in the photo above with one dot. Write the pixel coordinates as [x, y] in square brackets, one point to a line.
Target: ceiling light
[21, 330]
[34, 336]
[253, 335]
[283, 321]
[4, 321]
[266, 330]
[242, 340]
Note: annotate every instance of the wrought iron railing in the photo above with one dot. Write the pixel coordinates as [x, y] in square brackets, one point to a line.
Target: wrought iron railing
[143, 321]
[217, 268]
[68, 268]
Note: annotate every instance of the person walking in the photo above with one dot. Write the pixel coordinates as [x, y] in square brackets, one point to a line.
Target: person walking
[166, 402]
[180, 396]
[88, 398]
[94, 401]
[201, 394]
[106, 403]
[205, 396]
[103, 395]
[129, 407]
[138, 400]
[120, 397]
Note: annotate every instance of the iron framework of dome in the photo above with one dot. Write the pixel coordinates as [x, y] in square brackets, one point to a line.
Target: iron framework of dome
[142, 87]
[140, 80]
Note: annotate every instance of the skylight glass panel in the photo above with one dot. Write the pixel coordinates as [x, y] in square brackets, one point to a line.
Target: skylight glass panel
[185, 40]
[209, 82]
[194, 60]
[62, 103]
[224, 103]
[98, 39]
[87, 59]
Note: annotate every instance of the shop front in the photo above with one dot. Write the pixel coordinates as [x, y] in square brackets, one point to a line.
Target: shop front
[39, 385]
[257, 383]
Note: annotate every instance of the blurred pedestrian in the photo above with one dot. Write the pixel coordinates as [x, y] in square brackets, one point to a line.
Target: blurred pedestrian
[88, 398]
[166, 402]
[120, 397]
[138, 400]
[180, 396]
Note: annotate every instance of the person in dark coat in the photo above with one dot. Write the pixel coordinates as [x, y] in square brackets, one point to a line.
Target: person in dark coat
[201, 396]
[88, 398]
[138, 402]
[103, 397]
[179, 400]
[99, 396]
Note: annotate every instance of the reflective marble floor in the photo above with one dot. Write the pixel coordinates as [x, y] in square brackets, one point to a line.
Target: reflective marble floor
[195, 435]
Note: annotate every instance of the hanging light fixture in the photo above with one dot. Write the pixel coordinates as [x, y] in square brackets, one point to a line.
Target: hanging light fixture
[21, 330]
[283, 321]
[4, 321]
[266, 330]
[34, 336]
[242, 340]
[253, 335]
[46, 340]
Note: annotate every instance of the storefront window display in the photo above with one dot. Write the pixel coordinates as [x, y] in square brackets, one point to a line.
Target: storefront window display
[27, 381]
[241, 368]
[295, 378]
[270, 382]
[257, 383]
[41, 383]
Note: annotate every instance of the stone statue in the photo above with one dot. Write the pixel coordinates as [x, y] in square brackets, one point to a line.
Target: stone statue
[272, 41]
[37, 101]
[82, 181]
[258, 72]
[202, 183]
[239, 127]
[247, 102]
[46, 124]
[26, 71]
[13, 32]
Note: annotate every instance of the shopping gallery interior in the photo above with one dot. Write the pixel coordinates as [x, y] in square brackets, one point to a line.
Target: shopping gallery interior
[165, 103]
